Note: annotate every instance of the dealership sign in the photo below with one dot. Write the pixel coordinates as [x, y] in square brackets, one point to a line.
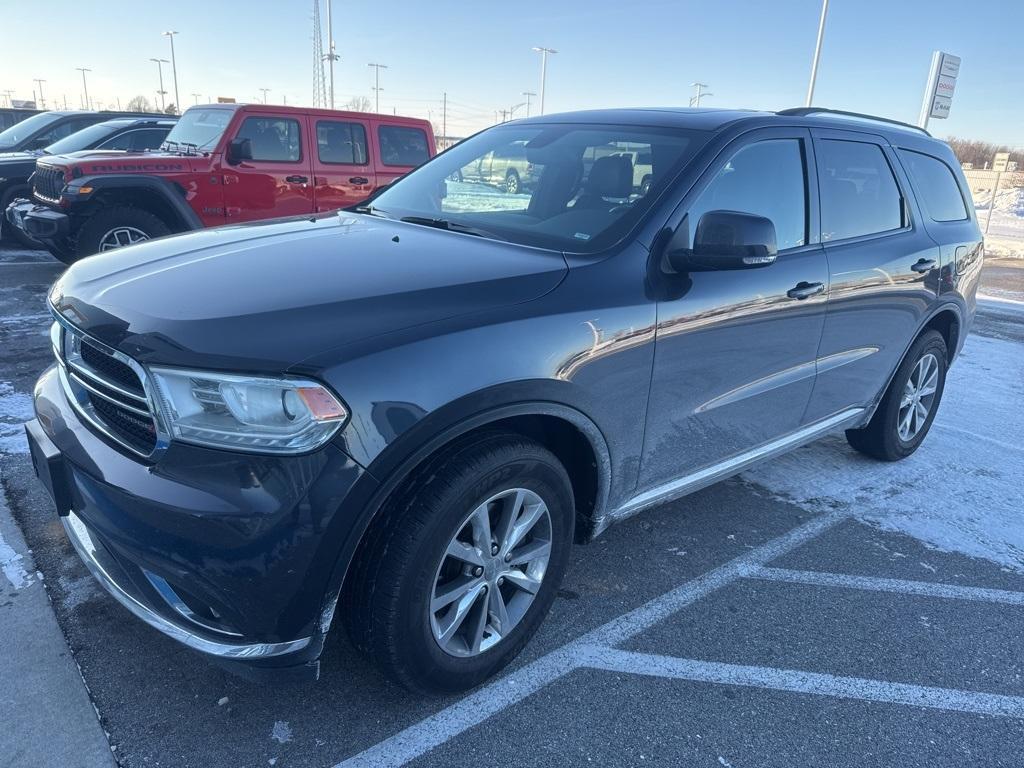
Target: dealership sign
[938, 95]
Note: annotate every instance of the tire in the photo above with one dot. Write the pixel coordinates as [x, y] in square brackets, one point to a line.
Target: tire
[888, 437]
[512, 182]
[11, 232]
[100, 228]
[402, 566]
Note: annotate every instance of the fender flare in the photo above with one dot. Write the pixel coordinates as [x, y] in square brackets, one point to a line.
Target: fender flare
[412, 457]
[168, 191]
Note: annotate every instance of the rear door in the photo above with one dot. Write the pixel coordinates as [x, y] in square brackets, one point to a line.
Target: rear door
[400, 148]
[883, 268]
[278, 180]
[343, 173]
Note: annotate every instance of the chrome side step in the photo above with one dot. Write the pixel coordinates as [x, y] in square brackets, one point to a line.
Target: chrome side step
[709, 475]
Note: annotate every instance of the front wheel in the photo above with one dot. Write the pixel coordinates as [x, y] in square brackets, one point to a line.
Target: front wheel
[909, 405]
[465, 565]
[117, 227]
[512, 182]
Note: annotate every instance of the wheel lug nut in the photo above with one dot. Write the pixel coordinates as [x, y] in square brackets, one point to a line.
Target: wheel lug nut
[478, 571]
[483, 590]
[494, 549]
[501, 580]
[508, 558]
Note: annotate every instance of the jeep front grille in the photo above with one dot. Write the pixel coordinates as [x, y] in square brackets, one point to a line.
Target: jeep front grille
[48, 183]
[107, 389]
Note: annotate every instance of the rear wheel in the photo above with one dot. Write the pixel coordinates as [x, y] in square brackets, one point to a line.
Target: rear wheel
[464, 564]
[117, 227]
[909, 405]
[512, 182]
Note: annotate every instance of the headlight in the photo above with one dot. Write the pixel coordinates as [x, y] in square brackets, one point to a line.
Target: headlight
[261, 414]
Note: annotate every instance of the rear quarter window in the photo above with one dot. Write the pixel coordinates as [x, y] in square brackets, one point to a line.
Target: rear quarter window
[935, 185]
[400, 145]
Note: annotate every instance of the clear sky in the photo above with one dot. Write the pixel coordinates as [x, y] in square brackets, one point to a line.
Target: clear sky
[624, 53]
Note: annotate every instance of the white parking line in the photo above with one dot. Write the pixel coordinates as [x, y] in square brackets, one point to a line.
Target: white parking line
[437, 729]
[870, 583]
[797, 681]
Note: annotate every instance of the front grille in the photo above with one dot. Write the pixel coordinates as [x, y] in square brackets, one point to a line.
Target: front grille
[105, 387]
[48, 183]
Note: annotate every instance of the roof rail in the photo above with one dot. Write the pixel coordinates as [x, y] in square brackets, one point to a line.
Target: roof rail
[801, 111]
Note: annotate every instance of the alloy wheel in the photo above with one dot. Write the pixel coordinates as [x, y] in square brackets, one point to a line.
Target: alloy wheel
[119, 237]
[490, 572]
[918, 397]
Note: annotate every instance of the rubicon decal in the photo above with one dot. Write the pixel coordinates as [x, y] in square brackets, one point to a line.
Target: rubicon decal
[137, 167]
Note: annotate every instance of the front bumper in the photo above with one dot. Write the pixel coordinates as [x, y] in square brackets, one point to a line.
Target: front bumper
[230, 554]
[44, 224]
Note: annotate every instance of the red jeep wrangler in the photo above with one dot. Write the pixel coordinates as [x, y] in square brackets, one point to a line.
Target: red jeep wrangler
[220, 164]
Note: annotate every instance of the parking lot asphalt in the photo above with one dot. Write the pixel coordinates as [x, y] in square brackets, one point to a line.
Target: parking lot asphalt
[821, 609]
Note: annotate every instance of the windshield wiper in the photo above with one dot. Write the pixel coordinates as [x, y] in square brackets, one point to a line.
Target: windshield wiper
[369, 210]
[451, 226]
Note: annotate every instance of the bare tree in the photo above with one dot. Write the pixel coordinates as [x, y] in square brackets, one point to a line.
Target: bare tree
[172, 109]
[981, 152]
[139, 104]
[357, 104]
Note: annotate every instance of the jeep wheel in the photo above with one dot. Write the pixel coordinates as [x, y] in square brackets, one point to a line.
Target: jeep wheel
[909, 405]
[117, 227]
[512, 182]
[464, 564]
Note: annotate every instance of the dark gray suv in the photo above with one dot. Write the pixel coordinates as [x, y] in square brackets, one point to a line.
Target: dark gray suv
[401, 416]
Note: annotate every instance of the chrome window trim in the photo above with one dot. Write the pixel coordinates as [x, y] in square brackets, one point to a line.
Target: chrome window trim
[80, 539]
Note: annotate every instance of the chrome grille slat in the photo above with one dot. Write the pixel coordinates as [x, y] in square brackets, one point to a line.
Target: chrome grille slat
[100, 390]
[47, 183]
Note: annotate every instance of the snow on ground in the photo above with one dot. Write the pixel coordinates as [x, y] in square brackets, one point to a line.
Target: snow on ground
[15, 410]
[962, 491]
[465, 196]
[1005, 235]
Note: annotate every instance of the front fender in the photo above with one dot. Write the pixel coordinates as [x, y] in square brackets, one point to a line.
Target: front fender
[168, 192]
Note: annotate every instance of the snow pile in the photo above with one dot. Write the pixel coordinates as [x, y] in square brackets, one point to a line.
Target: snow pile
[15, 410]
[961, 492]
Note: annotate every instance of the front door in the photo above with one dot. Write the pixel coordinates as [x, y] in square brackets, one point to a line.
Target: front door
[277, 180]
[884, 268]
[735, 353]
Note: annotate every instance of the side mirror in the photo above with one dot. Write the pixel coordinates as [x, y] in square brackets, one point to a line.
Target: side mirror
[727, 240]
[239, 150]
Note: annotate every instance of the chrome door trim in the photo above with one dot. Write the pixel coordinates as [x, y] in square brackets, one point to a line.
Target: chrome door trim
[704, 477]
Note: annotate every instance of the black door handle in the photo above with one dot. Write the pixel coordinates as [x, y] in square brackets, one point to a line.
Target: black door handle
[923, 265]
[804, 290]
[358, 180]
[296, 179]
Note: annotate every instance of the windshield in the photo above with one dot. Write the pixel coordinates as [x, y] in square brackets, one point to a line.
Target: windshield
[18, 132]
[83, 139]
[575, 188]
[200, 128]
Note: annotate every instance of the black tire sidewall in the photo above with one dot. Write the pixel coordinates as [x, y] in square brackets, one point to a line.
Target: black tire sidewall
[933, 343]
[101, 222]
[432, 667]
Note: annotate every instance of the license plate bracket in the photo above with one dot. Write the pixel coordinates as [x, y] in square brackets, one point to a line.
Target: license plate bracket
[50, 467]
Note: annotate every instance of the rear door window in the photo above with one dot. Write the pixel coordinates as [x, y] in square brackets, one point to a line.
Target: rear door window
[401, 145]
[341, 143]
[859, 194]
[273, 139]
[765, 179]
[935, 185]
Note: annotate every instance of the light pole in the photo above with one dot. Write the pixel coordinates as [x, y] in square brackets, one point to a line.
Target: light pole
[513, 108]
[9, 94]
[42, 99]
[529, 95]
[331, 56]
[85, 87]
[174, 68]
[376, 88]
[265, 92]
[160, 68]
[817, 53]
[543, 70]
[196, 97]
[695, 100]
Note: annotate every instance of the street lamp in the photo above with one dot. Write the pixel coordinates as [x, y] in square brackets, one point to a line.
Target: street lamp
[330, 56]
[529, 95]
[265, 92]
[174, 68]
[376, 88]
[160, 68]
[817, 53]
[695, 100]
[42, 99]
[196, 97]
[85, 87]
[543, 70]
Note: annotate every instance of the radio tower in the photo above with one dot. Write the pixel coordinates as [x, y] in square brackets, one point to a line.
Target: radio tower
[319, 83]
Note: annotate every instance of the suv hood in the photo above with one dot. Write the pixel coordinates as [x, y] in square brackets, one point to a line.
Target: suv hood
[265, 296]
[91, 162]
